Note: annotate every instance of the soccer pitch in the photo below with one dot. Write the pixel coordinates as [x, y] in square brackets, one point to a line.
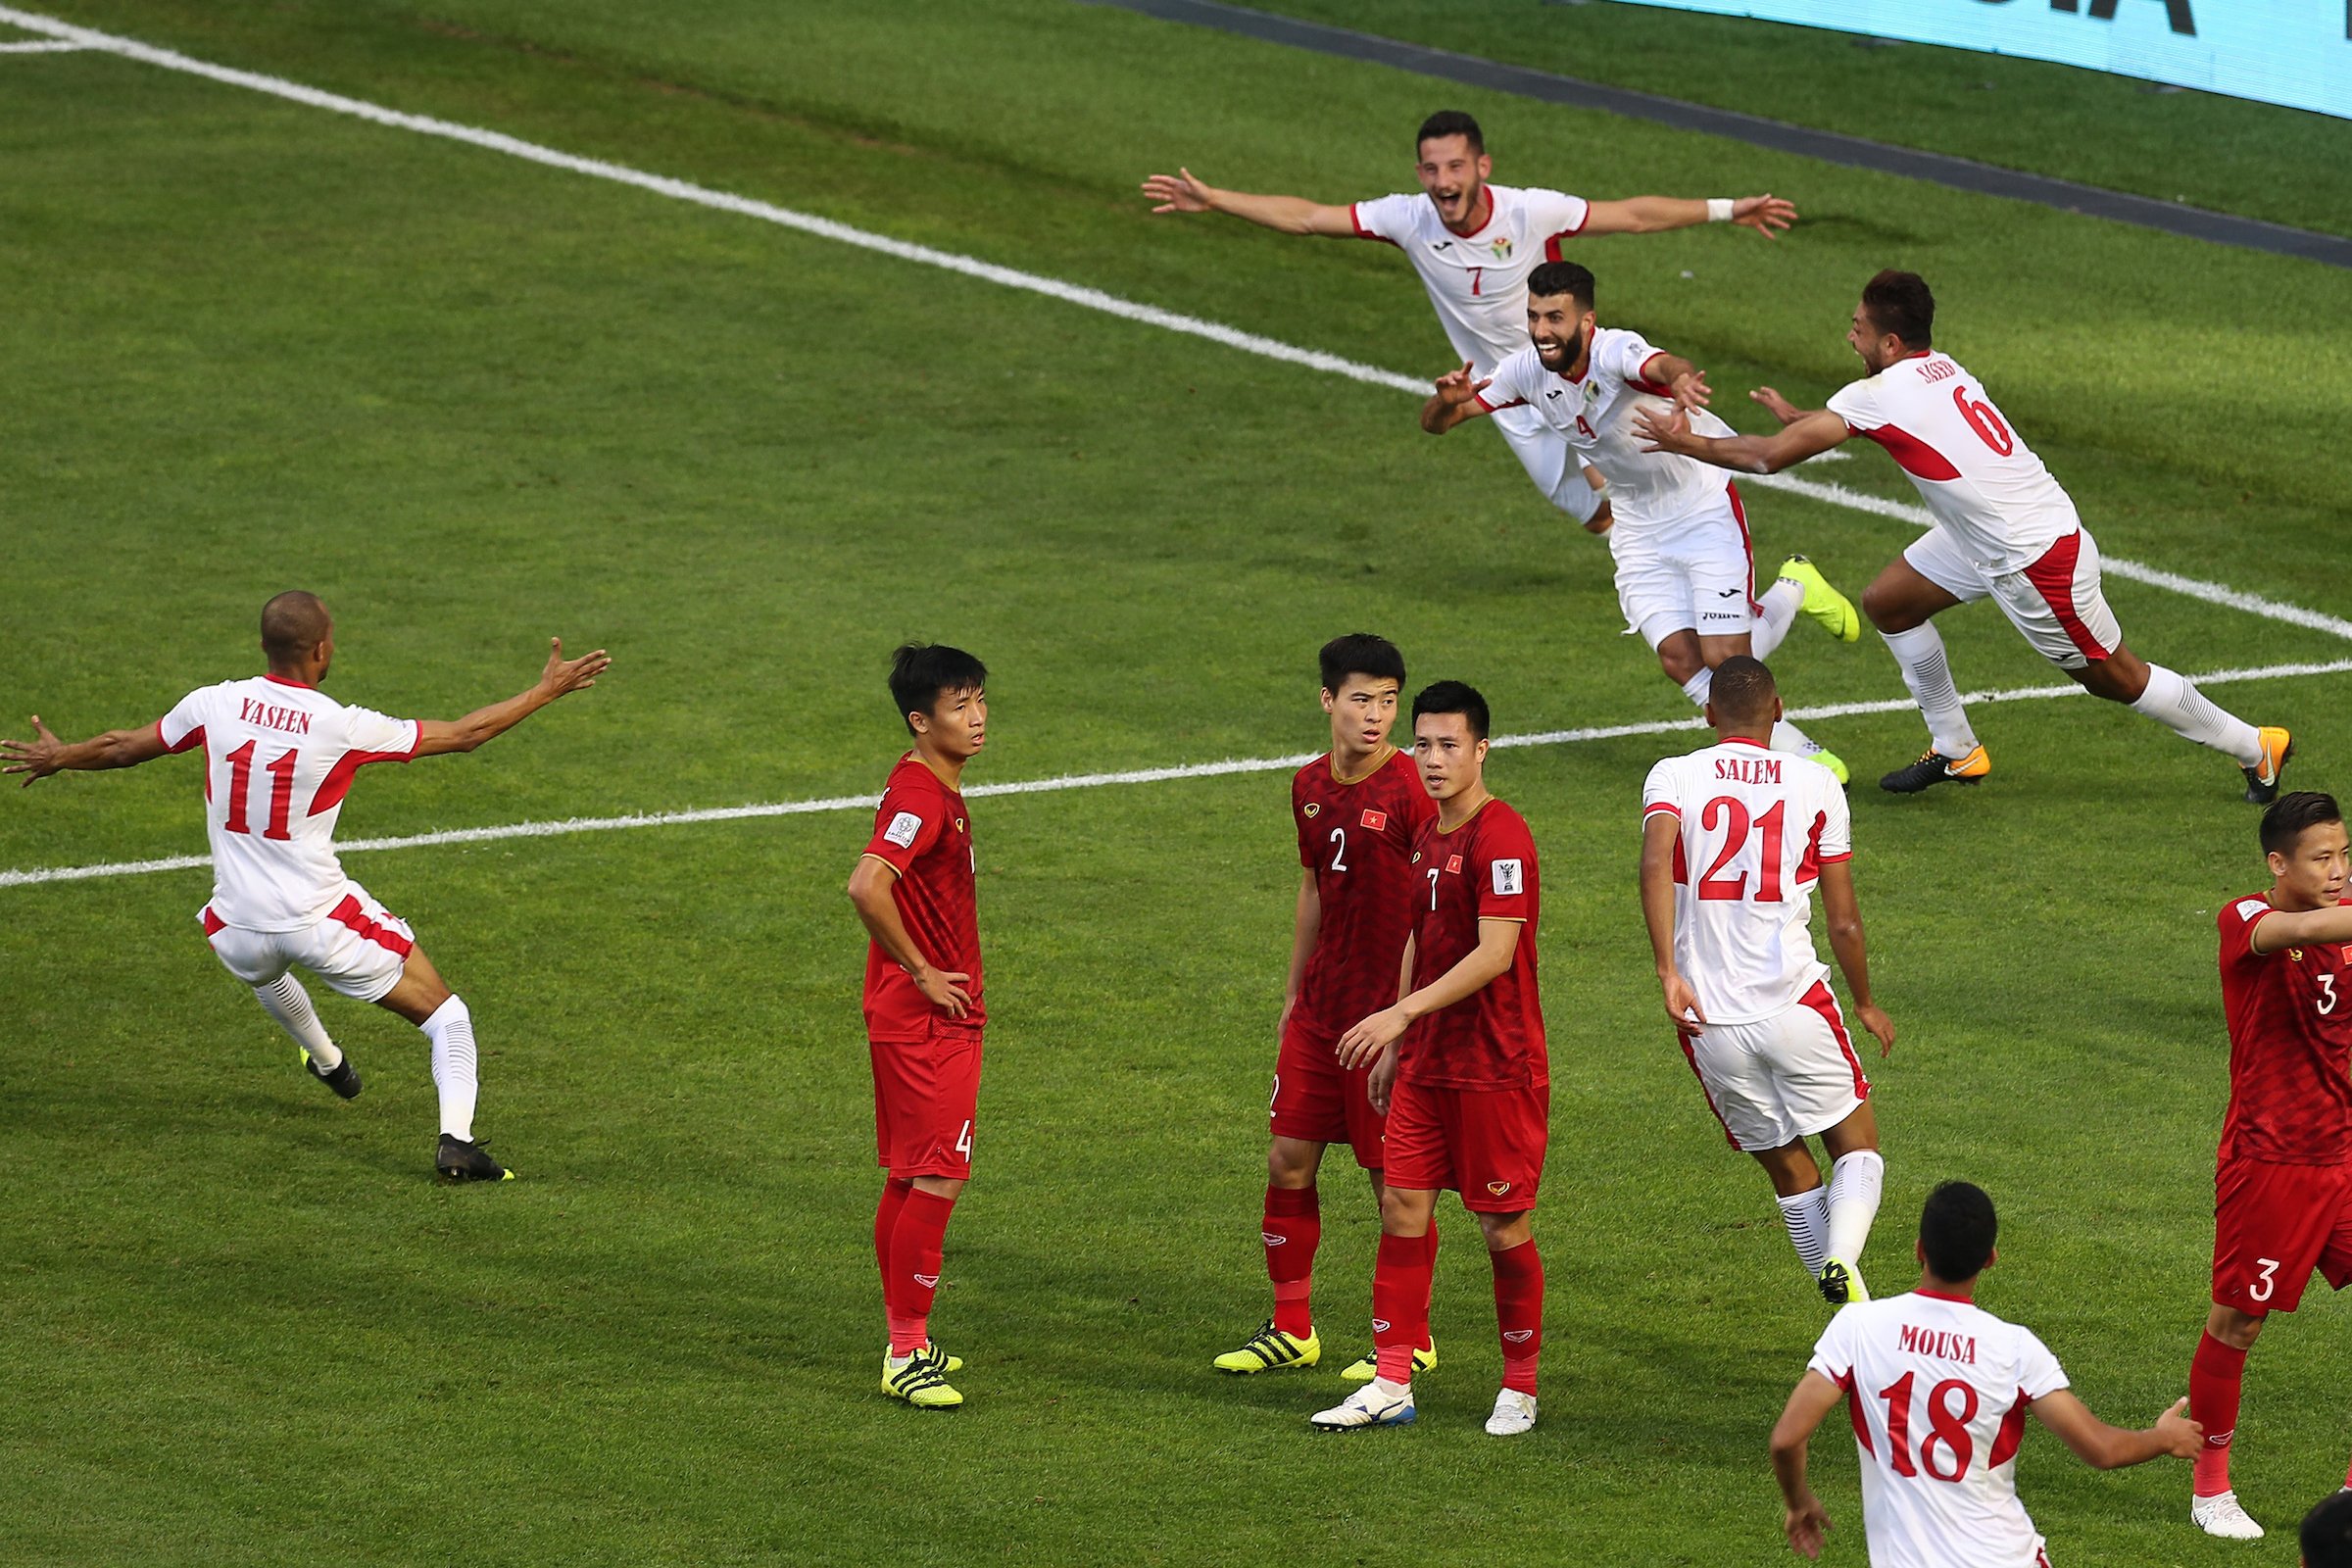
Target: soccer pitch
[473, 400]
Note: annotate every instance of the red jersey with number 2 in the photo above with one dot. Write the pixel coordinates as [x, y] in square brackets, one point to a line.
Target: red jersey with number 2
[1356, 836]
[2291, 1045]
[923, 832]
[1493, 1038]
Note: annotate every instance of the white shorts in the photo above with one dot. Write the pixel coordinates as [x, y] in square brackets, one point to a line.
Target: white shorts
[360, 948]
[1549, 460]
[1782, 1078]
[1700, 577]
[2056, 604]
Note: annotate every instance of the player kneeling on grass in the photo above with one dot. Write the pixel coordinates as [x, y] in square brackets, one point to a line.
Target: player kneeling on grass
[1939, 1391]
[1750, 1002]
[1460, 1070]
[1686, 569]
[913, 889]
[279, 757]
[2283, 1205]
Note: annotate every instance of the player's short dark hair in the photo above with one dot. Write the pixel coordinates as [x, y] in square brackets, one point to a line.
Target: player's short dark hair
[1743, 690]
[1450, 123]
[1561, 277]
[2327, 1533]
[292, 625]
[2290, 813]
[1900, 303]
[1957, 1230]
[1359, 653]
[920, 673]
[1453, 697]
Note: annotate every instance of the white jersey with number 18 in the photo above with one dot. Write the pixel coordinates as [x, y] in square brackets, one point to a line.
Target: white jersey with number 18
[280, 758]
[1939, 1390]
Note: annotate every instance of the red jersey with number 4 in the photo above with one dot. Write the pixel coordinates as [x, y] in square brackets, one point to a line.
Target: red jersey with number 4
[1493, 1038]
[922, 833]
[1356, 835]
[2291, 1045]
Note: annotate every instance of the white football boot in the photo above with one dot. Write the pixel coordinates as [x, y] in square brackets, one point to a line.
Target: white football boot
[2222, 1516]
[1377, 1403]
[1514, 1413]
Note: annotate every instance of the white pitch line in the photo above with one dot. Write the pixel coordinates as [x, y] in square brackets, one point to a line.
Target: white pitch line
[1081, 781]
[1069, 293]
[41, 46]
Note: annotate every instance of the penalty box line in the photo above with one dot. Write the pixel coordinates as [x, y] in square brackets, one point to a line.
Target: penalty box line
[36, 875]
[1069, 293]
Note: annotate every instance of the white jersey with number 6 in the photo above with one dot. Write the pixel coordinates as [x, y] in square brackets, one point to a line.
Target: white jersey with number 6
[1757, 826]
[1939, 1390]
[280, 758]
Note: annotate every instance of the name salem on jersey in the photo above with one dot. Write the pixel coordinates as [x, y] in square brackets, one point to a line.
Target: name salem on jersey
[269, 715]
[1943, 1343]
[1748, 770]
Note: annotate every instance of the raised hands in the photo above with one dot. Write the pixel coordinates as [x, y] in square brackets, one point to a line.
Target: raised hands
[35, 759]
[562, 676]
[1767, 215]
[1179, 192]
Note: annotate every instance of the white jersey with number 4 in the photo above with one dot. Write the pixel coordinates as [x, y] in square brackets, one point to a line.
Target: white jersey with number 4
[1983, 484]
[280, 758]
[1478, 281]
[1939, 1390]
[1756, 828]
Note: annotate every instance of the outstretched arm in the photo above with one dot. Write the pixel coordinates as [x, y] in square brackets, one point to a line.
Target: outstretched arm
[1180, 192]
[1806, 1522]
[1810, 435]
[2281, 928]
[1652, 215]
[2106, 1447]
[1843, 913]
[1455, 401]
[561, 677]
[44, 754]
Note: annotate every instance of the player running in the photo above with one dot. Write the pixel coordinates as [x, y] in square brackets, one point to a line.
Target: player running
[1458, 1067]
[1686, 567]
[2003, 530]
[279, 757]
[1473, 243]
[1357, 810]
[912, 888]
[1749, 1001]
[1938, 1390]
[2284, 1179]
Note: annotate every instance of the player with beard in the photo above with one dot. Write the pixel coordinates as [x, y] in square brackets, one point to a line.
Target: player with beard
[2005, 530]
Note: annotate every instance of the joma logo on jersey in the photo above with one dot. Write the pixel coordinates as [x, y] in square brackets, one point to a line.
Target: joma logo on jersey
[1314, 808]
[269, 715]
[1942, 1344]
[1376, 821]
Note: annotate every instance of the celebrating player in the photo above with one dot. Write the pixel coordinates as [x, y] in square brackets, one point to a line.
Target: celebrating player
[279, 757]
[1939, 1389]
[1686, 569]
[1356, 810]
[2284, 1180]
[1459, 1066]
[2004, 529]
[912, 888]
[1472, 242]
[1749, 1001]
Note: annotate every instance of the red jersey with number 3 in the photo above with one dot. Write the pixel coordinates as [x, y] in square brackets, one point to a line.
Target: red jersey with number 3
[1493, 1038]
[2291, 1045]
[923, 832]
[1356, 836]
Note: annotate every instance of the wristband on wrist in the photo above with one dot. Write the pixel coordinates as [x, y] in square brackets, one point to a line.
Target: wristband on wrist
[1719, 209]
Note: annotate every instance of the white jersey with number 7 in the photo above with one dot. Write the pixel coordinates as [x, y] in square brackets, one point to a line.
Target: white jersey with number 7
[1939, 1390]
[1756, 828]
[280, 758]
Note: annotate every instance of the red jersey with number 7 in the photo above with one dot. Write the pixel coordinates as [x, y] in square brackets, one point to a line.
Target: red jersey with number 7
[1484, 869]
[2291, 1045]
[1356, 836]
[923, 832]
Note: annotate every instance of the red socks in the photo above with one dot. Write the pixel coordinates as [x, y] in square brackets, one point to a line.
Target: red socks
[1400, 1279]
[913, 1275]
[886, 1219]
[1519, 1313]
[1292, 1230]
[2215, 1377]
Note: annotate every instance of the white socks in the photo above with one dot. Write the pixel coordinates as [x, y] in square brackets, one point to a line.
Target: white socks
[2181, 707]
[1782, 601]
[1929, 676]
[451, 1030]
[285, 1001]
[1855, 1181]
[1807, 1216]
[1785, 737]
[1698, 687]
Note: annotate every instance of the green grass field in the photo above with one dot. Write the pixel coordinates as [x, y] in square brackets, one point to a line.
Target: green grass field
[473, 402]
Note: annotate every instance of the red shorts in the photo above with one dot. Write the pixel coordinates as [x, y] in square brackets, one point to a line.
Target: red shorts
[1317, 1100]
[1486, 1144]
[2272, 1225]
[925, 1094]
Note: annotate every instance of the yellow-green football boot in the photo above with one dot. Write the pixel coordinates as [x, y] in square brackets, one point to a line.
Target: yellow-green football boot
[1824, 604]
[1270, 1347]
